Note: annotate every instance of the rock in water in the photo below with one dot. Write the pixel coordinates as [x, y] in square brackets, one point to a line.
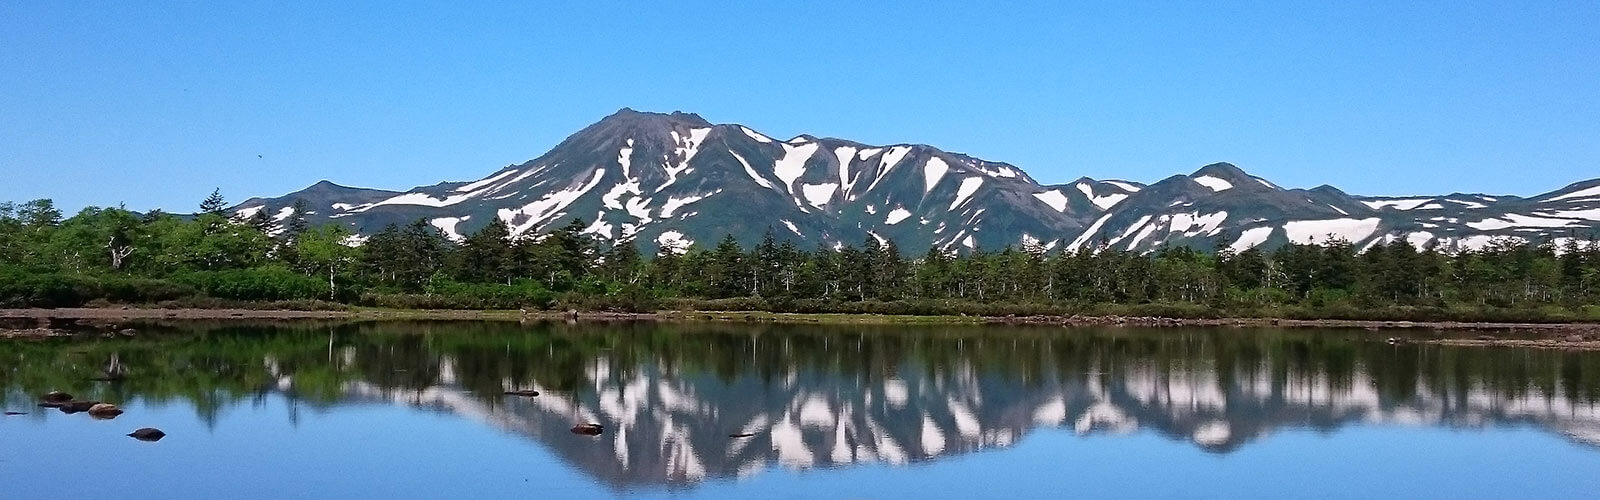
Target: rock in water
[104, 411]
[147, 434]
[741, 435]
[528, 394]
[56, 397]
[72, 407]
[10, 413]
[588, 429]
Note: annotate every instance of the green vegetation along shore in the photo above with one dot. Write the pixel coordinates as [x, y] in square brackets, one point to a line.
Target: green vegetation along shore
[110, 257]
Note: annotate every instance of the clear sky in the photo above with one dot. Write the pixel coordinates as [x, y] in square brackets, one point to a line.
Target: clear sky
[155, 103]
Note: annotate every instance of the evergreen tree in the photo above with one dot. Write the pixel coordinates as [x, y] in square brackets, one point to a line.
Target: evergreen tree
[297, 221]
[213, 204]
[485, 256]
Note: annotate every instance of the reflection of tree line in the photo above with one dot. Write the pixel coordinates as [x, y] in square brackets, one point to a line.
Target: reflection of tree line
[1217, 387]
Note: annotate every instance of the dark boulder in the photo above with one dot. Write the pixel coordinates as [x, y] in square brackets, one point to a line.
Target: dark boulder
[56, 397]
[588, 429]
[147, 434]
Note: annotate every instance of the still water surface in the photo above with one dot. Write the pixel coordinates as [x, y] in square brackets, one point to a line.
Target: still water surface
[415, 410]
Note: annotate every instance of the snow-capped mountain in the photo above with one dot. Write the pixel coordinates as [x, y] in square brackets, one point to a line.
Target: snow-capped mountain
[675, 179]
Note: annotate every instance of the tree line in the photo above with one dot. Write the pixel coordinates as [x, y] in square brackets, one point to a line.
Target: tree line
[210, 258]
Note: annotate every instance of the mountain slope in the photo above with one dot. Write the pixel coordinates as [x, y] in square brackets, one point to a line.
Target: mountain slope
[673, 180]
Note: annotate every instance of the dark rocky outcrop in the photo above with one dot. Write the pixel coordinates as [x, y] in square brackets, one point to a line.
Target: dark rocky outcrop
[148, 434]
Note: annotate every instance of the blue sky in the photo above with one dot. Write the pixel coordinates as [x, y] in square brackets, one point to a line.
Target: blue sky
[154, 105]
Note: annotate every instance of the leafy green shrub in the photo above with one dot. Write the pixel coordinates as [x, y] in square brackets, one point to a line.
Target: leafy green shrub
[21, 289]
[261, 283]
[129, 290]
[456, 295]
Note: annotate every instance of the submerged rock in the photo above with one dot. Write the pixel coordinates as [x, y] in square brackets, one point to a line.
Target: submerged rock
[56, 397]
[10, 413]
[741, 435]
[588, 429]
[72, 407]
[104, 411]
[147, 434]
[527, 394]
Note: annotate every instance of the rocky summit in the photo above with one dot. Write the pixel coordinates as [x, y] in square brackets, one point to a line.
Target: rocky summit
[675, 180]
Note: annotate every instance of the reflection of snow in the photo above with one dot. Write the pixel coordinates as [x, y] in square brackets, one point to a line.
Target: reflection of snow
[668, 429]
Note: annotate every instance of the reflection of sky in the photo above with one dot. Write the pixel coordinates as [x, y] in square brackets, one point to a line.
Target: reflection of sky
[254, 451]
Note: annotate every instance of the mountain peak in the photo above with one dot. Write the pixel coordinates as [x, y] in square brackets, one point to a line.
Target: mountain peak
[1222, 170]
[629, 115]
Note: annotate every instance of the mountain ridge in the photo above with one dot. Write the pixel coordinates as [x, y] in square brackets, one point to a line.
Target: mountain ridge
[675, 179]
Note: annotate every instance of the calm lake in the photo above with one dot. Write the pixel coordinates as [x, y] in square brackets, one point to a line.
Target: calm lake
[418, 410]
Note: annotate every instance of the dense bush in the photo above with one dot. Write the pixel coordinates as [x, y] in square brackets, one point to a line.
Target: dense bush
[262, 283]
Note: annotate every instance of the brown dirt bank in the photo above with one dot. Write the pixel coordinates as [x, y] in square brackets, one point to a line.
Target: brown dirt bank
[1584, 336]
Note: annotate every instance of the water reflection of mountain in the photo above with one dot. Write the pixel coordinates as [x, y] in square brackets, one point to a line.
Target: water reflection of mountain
[830, 396]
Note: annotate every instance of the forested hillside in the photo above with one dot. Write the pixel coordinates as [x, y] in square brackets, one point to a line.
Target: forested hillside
[112, 255]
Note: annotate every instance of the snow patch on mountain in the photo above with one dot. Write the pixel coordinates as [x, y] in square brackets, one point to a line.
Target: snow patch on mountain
[491, 180]
[687, 148]
[818, 194]
[1124, 185]
[844, 153]
[546, 207]
[761, 181]
[755, 135]
[625, 159]
[1104, 202]
[1309, 231]
[1590, 192]
[674, 241]
[1192, 224]
[1397, 204]
[1217, 184]
[1090, 232]
[447, 225]
[793, 163]
[1518, 220]
[968, 186]
[1419, 238]
[896, 215]
[418, 199]
[613, 197]
[1131, 230]
[887, 162]
[932, 172]
[1054, 199]
[600, 227]
[673, 204]
[1250, 238]
[792, 227]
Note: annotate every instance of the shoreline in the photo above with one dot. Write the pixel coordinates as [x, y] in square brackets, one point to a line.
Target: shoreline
[1585, 336]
